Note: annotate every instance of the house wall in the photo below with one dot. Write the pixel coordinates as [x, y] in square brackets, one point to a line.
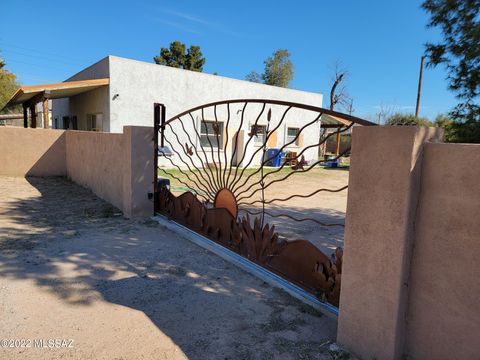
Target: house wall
[140, 85]
[91, 102]
[412, 241]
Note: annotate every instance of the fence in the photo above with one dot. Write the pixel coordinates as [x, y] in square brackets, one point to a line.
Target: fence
[116, 167]
[410, 280]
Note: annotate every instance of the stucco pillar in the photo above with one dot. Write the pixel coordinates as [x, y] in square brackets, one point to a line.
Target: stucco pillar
[382, 198]
[138, 171]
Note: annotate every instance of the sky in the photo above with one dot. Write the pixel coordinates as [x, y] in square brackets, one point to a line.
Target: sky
[379, 42]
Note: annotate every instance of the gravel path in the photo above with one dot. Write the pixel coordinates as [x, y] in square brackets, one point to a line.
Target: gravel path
[71, 267]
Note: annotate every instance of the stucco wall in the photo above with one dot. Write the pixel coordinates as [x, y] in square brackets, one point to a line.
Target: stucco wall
[95, 101]
[116, 167]
[444, 307]
[412, 241]
[95, 160]
[32, 152]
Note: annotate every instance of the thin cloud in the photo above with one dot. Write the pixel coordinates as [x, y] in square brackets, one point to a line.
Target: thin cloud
[178, 25]
[189, 17]
[194, 22]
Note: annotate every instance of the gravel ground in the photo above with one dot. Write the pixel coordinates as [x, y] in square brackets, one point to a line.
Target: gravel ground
[71, 267]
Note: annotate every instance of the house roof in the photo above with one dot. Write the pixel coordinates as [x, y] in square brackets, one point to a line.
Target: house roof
[56, 90]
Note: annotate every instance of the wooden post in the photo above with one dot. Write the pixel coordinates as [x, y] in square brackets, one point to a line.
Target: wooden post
[419, 87]
[33, 116]
[46, 114]
[337, 151]
[25, 116]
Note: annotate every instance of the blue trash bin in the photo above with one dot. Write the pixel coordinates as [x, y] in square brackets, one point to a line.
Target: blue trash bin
[274, 157]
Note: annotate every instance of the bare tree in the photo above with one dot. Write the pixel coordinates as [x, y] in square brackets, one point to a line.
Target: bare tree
[384, 112]
[338, 91]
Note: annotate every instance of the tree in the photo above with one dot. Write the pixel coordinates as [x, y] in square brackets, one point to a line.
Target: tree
[278, 70]
[8, 85]
[459, 51]
[175, 56]
[338, 92]
[407, 119]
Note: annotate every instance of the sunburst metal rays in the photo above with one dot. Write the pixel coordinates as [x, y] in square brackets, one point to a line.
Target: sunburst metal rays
[228, 150]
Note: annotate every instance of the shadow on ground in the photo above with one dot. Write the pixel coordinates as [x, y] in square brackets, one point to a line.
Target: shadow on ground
[80, 249]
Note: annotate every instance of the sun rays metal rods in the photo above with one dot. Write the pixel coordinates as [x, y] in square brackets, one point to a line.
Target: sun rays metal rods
[193, 147]
[291, 217]
[264, 143]
[203, 150]
[287, 176]
[234, 152]
[206, 187]
[293, 172]
[271, 158]
[246, 145]
[225, 147]
[295, 196]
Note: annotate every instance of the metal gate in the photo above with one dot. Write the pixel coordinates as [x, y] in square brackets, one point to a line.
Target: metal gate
[237, 166]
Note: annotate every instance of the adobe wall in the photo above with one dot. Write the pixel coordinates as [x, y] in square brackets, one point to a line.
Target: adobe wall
[116, 167]
[32, 152]
[444, 304]
[410, 280]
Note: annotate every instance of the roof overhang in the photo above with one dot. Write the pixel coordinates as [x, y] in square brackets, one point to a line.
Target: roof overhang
[29, 94]
[332, 121]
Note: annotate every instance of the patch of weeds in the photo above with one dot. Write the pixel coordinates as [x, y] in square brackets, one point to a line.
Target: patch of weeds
[18, 244]
[301, 349]
[310, 310]
[102, 211]
[149, 222]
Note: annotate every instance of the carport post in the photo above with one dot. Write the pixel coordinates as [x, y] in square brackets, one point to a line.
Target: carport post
[25, 115]
[33, 116]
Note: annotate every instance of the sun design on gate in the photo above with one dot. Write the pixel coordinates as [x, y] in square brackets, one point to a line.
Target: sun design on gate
[220, 187]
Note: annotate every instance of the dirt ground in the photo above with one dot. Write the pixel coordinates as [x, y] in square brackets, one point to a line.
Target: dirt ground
[72, 268]
[325, 207]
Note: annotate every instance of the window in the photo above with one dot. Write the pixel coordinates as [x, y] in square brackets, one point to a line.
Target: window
[291, 134]
[211, 132]
[259, 139]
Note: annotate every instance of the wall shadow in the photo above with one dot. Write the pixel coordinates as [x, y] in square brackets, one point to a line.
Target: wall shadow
[79, 248]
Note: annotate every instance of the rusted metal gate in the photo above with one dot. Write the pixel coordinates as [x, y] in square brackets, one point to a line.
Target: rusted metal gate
[228, 156]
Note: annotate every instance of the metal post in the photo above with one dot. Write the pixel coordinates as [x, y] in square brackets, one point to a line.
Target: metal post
[158, 118]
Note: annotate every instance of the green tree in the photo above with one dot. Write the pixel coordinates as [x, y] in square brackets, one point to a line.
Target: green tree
[8, 86]
[278, 70]
[176, 56]
[407, 119]
[459, 51]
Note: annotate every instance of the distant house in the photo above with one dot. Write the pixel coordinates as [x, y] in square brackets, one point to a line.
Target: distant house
[115, 92]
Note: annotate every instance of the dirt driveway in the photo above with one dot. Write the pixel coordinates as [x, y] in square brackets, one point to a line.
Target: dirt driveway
[72, 268]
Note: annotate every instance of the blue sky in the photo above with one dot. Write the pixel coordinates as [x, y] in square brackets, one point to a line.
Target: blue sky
[380, 42]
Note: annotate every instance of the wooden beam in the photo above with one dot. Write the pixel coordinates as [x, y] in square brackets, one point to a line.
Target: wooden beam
[25, 116]
[45, 114]
[38, 98]
[33, 116]
[337, 151]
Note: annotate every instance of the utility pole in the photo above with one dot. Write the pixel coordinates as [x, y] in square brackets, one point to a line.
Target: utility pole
[419, 86]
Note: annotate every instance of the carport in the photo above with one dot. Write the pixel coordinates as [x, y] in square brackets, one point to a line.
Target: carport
[30, 96]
